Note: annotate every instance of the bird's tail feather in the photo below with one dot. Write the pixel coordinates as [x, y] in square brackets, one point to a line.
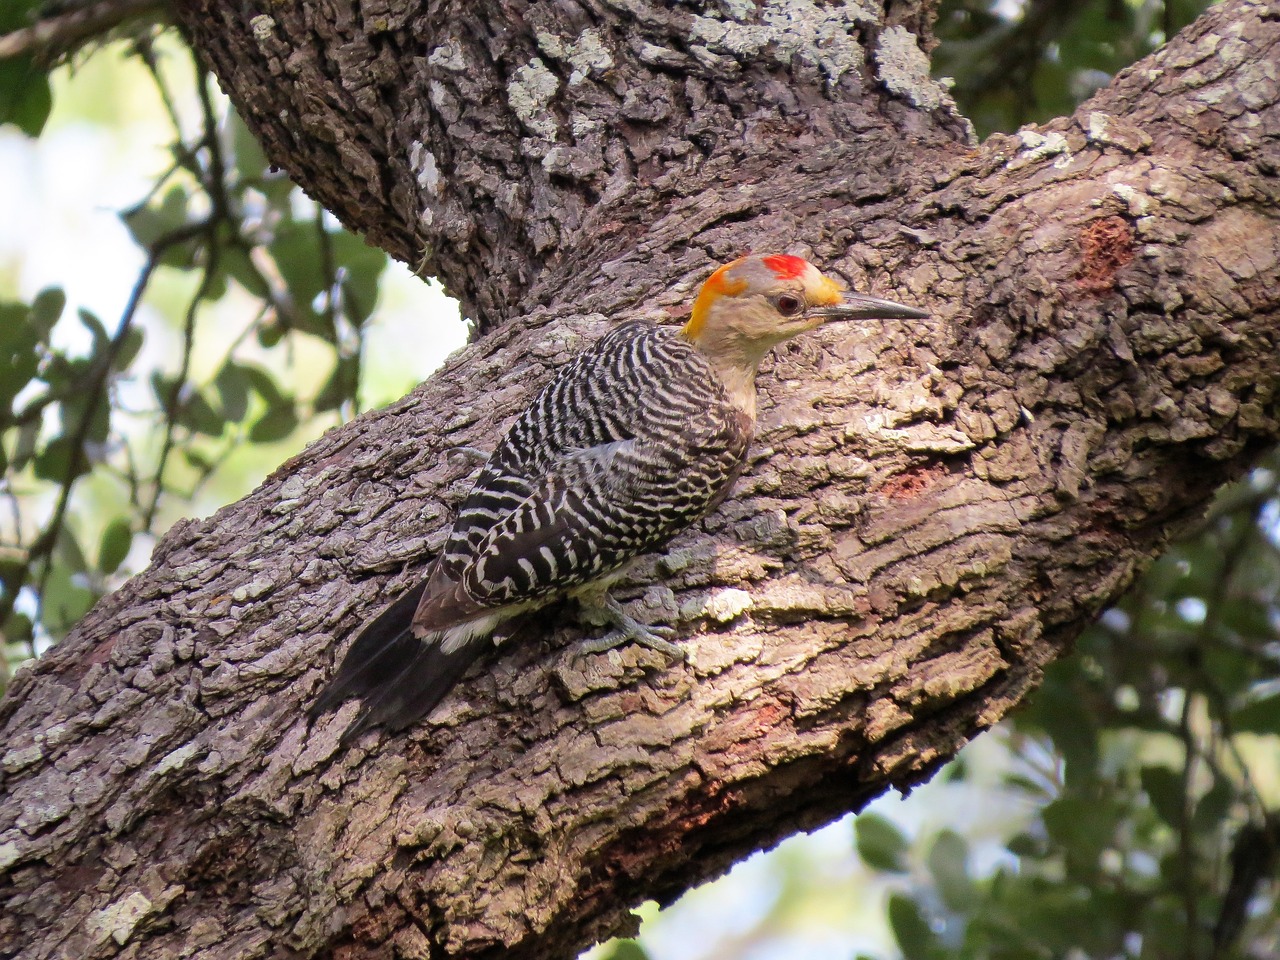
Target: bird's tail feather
[398, 676]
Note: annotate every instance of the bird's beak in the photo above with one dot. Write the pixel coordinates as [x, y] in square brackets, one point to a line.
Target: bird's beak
[859, 306]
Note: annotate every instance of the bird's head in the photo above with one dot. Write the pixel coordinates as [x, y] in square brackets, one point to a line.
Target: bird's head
[754, 303]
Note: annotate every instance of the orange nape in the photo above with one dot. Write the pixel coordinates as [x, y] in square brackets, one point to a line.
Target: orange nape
[717, 285]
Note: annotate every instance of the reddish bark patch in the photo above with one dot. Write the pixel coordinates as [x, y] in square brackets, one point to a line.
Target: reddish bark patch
[755, 726]
[377, 926]
[715, 801]
[101, 652]
[1106, 245]
[909, 484]
[767, 718]
[75, 670]
[80, 877]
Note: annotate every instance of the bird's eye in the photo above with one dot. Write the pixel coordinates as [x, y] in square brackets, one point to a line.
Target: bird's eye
[788, 305]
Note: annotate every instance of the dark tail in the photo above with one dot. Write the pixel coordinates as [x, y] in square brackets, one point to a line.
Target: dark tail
[398, 676]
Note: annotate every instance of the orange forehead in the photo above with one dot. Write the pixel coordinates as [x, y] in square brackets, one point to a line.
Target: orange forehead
[826, 292]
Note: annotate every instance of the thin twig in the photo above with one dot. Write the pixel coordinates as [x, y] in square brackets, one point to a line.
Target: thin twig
[212, 181]
[175, 392]
[51, 38]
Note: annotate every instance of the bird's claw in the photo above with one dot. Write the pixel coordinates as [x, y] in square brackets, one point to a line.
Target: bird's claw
[627, 629]
[651, 637]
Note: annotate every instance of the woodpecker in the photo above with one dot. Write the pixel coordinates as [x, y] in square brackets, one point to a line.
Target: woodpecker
[631, 442]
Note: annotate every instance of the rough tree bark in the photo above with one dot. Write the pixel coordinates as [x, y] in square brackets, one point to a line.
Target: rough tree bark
[933, 513]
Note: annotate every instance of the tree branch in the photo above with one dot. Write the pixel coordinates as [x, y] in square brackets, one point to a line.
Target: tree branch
[934, 512]
[56, 36]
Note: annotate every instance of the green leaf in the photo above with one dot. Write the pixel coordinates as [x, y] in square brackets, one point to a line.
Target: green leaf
[1027, 845]
[1214, 807]
[915, 938]
[198, 415]
[1061, 711]
[215, 289]
[254, 169]
[297, 255]
[198, 460]
[18, 358]
[25, 97]
[249, 159]
[341, 385]
[880, 844]
[236, 262]
[1082, 825]
[154, 221]
[361, 267]
[12, 575]
[67, 551]
[63, 374]
[64, 601]
[1259, 716]
[114, 545]
[16, 14]
[84, 403]
[16, 628]
[625, 950]
[232, 385]
[96, 330]
[1163, 788]
[163, 386]
[130, 346]
[1232, 672]
[270, 332]
[276, 424]
[16, 330]
[1243, 617]
[46, 308]
[949, 863]
[54, 461]
[956, 771]
[263, 385]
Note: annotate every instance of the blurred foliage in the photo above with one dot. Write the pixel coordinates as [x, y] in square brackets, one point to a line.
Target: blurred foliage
[25, 96]
[1014, 64]
[80, 406]
[1147, 768]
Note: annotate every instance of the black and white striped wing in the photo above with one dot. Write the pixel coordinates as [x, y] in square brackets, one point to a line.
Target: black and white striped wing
[589, 515]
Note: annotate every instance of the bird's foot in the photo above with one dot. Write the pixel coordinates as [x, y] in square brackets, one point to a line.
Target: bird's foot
[627, 629]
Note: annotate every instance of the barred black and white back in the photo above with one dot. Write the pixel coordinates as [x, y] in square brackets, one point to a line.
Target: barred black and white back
[631, 442]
